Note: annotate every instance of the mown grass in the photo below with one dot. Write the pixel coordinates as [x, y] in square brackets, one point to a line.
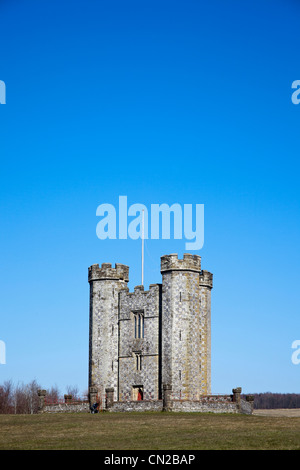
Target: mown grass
[148, 431]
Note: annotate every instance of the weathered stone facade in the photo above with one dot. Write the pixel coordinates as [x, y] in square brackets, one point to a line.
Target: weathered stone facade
[151, 350]
[143, 339]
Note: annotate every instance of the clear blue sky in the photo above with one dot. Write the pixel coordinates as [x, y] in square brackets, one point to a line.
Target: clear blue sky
[163, 101]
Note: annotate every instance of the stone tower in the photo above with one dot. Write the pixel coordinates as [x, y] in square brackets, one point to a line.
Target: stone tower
[186, 326]
[143, 341]
[105, 285]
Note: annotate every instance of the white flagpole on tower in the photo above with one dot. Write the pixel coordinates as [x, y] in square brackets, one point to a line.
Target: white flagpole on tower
[142, 247]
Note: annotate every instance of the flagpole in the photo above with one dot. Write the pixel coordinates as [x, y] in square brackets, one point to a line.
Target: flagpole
[142, 247]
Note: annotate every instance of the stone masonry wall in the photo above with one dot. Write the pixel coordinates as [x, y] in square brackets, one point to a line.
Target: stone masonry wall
[144, 371]
[206, 405]
[128, 406]
[67, 408]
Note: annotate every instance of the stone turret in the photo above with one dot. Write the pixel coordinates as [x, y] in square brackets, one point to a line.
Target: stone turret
[105, 284]
[206, 279]
[184, 355]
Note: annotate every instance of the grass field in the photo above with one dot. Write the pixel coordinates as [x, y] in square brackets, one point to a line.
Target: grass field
[149, 431]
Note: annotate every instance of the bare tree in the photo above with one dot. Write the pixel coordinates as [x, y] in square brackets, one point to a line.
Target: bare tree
[25, 398]
[53, 394]
[32, 401]
[6, 397]
[19, 399]
[74, 391]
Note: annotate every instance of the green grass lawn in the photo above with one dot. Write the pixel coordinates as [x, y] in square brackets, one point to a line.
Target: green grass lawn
[148, 431]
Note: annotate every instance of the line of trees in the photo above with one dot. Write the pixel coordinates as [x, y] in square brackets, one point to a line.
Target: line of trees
[269, 400]
[23, 398]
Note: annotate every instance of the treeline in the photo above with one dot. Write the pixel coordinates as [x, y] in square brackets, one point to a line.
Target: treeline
[269, 400]
[23, 398]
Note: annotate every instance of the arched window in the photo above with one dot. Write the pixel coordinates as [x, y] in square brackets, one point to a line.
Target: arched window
[139, 329]
[138, 361]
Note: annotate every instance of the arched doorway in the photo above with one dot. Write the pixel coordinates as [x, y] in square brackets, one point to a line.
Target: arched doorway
[137, 392]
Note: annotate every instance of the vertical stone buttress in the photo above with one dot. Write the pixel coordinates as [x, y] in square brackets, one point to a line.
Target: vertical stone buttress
[206, 284]
[105, 285]
[185, 326]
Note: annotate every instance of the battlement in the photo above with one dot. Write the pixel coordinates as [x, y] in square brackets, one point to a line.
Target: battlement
[106, 272]
[206, 279]
[140, 290]
[188, 263]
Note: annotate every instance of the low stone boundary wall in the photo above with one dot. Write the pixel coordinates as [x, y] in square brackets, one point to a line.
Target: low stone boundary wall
[200, 406]
[142, 405]
[213, 404]
[67, 408]
[206, 404]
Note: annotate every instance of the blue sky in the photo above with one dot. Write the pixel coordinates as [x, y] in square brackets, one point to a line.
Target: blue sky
[165, 102]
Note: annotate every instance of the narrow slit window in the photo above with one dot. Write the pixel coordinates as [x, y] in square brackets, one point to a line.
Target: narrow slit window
[138, 361]
[139, 329]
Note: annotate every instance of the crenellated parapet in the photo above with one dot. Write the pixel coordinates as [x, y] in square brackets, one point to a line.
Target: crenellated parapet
[188, 263]
[140, 290]
[206, 279]
[106, 272]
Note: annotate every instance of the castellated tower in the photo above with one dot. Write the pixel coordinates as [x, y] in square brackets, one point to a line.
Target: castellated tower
[143, 340]
[186, 326]
[105, 285]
